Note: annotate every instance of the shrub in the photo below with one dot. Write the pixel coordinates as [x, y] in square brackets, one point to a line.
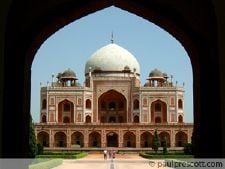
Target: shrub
[61, 152]
[188, 149]
[63, 155]
[165, 151]
[161, 155]
[39, 149]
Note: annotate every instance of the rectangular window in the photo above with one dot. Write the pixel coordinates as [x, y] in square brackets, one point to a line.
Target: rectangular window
[172, 117]
[79, 101]
[52, 101]
[172, 101]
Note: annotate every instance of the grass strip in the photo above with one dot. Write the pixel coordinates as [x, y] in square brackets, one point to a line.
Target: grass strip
[46, 164]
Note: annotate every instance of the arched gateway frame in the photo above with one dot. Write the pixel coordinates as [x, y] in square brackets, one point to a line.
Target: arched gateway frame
[198, 38]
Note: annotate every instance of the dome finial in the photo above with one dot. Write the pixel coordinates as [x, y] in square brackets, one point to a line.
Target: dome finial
[112, 40]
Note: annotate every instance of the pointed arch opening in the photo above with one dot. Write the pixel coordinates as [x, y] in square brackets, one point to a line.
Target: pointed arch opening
[112, 107]
[129, 139]
[146, 139]
[136, 119]
[44, 104]
[77, 140]
[88, 104]
[136, 104]
[112, 139]
[66, 111]
[43, 138]
[158, 112]
[60, 139]
[180, 104]
[43, 119]
[180, 119]
[94, 139]
[88, 119]
[164, 138]
[180, 139]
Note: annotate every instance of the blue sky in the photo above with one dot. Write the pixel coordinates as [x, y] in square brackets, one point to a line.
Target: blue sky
[72, 45]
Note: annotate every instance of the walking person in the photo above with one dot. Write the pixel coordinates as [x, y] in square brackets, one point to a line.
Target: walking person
[105, 154]
[114, 154]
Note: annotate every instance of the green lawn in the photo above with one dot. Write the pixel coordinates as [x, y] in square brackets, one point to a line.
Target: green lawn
[46, 164]
[48, 160]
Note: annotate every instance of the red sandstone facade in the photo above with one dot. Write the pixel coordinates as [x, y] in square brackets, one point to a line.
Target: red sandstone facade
[112, 109]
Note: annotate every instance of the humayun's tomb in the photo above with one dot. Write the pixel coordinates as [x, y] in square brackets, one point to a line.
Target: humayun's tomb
[112, 109]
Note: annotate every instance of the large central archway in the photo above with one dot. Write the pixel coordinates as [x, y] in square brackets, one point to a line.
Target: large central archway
[112, 107]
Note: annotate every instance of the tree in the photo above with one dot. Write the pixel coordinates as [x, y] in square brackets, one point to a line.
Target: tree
[40, 149]
[155, 144]
[32, 140]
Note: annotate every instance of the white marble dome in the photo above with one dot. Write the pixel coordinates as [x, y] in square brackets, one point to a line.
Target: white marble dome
[112, 57]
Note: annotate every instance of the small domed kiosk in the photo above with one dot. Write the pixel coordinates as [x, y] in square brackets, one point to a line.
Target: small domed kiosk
[67, 78]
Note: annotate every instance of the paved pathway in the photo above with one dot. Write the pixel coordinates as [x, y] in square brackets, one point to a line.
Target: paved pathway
[122, 161]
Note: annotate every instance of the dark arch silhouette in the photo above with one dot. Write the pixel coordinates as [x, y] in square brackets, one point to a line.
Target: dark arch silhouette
[201, 39]
[146, 139]
[129, 139]
[43, 119]
[112, 139]
[180, 119]
[136, 104]
[180, 139]
[60, 139]
[180, 104]
[94, 139]
[88, 104]
[44, 104]
[77, 139]
[88, 119]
